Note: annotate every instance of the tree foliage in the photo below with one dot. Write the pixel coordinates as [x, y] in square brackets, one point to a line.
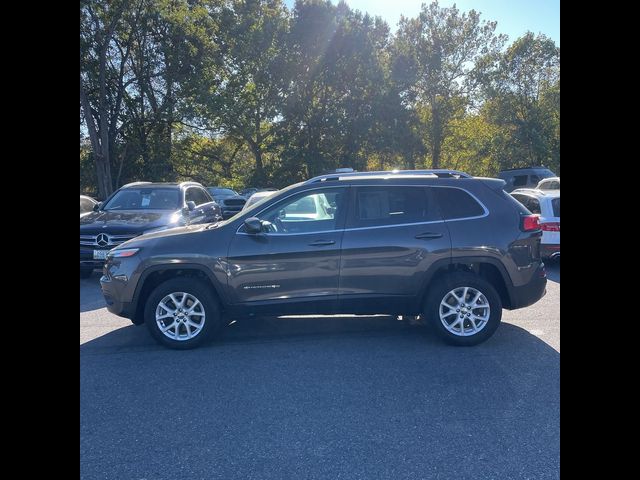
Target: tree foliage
[248, 92]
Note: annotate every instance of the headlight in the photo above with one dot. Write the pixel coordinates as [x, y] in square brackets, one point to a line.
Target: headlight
[122, 253]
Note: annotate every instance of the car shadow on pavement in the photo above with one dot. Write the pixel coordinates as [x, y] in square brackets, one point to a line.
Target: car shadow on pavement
[311, 328]
[348, 397]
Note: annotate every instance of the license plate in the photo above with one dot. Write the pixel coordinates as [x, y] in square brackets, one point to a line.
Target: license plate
[100, 254]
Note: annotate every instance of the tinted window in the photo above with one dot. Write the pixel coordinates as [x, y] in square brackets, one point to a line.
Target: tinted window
[531, 203]
[456, 203]
[309, 212]
[550, 185]
[556, 207]
[519, 180]
[145, 199]
[196, 195]
[535, 179]
[378, 206]
[221, 191]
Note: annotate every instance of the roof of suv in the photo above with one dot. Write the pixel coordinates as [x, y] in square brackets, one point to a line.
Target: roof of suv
[437, 173]
[523, 168]
[538, 193]
[160, 184]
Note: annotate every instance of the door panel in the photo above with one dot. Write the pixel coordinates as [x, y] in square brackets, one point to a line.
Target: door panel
[384, 262]
[294, 265]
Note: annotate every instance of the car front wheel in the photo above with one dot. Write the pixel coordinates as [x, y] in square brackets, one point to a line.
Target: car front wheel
[182, 313]
[464, 309]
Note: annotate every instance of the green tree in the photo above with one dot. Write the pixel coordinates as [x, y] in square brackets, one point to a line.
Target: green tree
[335, 108]
[241, 99]
[440, 55]
[101, 81]
[523, 98]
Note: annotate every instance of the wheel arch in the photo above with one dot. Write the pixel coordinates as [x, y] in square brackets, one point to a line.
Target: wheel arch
[487, 268]
[154, 276]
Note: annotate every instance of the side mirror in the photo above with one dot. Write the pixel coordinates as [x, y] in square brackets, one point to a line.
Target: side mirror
[97, 206]
[253, 225]
[191, 206]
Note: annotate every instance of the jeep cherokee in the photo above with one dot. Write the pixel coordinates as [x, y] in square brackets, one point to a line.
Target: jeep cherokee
[437, 243]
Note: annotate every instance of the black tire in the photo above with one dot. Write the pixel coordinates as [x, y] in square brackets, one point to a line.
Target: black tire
[438, 292]
[199, 290]
[85, 272]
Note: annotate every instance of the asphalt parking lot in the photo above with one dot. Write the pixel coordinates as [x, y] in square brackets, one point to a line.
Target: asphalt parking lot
[331, 398]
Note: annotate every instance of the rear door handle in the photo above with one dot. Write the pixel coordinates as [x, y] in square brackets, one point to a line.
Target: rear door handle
[319, 243]
[428, 235]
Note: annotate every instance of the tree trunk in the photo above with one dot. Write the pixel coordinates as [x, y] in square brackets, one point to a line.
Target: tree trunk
[257, 153]
[436, 135]
[103, 170]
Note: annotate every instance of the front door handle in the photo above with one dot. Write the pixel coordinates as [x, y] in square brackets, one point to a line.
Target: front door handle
[428, 235]
[319, 243]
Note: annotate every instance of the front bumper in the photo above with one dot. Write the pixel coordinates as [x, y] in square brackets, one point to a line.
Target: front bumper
[87, 260]
[112, 291]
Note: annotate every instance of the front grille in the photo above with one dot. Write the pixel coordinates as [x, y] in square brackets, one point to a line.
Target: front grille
[104, 241]
[234, 202]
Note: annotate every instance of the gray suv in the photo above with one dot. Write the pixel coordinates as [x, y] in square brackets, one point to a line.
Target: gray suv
[441, 244]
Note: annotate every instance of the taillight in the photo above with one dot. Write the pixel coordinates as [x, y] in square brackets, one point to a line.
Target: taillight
[530, 223]
[550, 226]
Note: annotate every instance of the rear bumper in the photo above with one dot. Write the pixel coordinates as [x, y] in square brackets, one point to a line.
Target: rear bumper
[530, 293]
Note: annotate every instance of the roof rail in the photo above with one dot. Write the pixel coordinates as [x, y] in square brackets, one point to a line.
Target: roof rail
[524, 168]
[439, 173]
[135, 183]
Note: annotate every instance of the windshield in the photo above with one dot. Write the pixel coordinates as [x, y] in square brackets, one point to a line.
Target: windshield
[145, 199]
[221, 191]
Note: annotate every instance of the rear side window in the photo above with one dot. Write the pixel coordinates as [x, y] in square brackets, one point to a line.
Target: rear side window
[197, 196]
[379, 206]
[531, 203]
[550, 185]
[456, 203]
[556, 207]
[520, 181]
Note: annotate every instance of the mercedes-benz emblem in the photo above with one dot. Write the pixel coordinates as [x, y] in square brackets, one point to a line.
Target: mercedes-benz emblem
[102, 239]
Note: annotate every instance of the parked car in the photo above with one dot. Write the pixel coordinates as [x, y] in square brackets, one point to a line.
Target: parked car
[453, 248]
[87, 204]
[524, 177]
[256, 197]
[248, 192]
[137, 208]
[229, 200]
[545, 204]
[551, 183]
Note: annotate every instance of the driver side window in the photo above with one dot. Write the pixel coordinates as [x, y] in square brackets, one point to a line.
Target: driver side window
[309, 212]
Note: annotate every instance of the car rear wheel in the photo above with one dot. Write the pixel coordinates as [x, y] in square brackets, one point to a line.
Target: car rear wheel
[182, 313]
[464, 309]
